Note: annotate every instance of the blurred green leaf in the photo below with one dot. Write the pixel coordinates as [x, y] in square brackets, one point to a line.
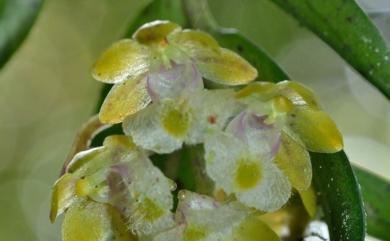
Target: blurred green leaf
[347, 29]
[16, 19]
[376, 196]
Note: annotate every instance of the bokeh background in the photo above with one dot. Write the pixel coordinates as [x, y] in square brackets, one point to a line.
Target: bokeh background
[46, 93]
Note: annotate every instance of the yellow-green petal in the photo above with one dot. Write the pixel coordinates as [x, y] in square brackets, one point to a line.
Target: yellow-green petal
[298, 93]
[225, 67]
[63, 195]
[155, 32]
[309, 200]
[124, 99]
[294, 160]
[91, 221]
[316, 129]
[263, 90]
[117, 141]
[122, 60]
[194, 42]
[252, 228]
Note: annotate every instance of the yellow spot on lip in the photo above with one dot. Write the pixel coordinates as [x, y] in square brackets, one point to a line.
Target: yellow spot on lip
[150, 210]
[248, 174]
[194, 233]
[176, 121]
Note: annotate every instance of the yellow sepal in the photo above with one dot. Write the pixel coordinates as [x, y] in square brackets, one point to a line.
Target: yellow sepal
[225, 67]
[124, 99]
[194, 42]
[309, 200]
[91, 221]
[316, 129]
[155, 32]
[252, 228]
[122, 60]
[63, 195]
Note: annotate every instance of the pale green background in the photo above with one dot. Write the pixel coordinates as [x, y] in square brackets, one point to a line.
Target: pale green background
[46, 92]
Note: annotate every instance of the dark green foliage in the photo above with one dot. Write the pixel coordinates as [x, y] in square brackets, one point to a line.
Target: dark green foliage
[376, 196]
[16, 19]
[349, 31]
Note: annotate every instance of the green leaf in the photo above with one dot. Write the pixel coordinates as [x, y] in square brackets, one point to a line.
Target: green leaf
[344, 212]
[376, 196]
[339, 196]
[347, 29]
[16, 20]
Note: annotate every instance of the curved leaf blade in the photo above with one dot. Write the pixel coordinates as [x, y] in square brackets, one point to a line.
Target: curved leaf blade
[16, 20]
[339, 196]
[348, 30]
[376, 196]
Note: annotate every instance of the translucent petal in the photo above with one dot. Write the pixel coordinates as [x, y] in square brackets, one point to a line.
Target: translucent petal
[147, 131]
[254, 229]
[90, 221]
[124, 99]
[309, 200]
[213, 109]
[207, 219]
[123, 60]
[225, 67]
[194, 42]
[179, 79]
[202, 218]
[151, 201]
[316, 129]
[294, 160]
[256, 182]
[155, 32]
[222, 150]
[63, 195]
[261, 138]
[88, 161]
[298, 93]
[270, 193]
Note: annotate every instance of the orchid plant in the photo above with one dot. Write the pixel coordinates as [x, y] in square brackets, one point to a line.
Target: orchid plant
[200, 134]
[252, 140]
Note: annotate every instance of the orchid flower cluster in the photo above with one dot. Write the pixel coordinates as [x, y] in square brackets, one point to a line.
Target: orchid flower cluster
[256, 141]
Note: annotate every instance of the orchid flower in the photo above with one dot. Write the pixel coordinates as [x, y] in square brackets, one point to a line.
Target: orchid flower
[200, 217]
[120, 175]
[240, 161]
[134, 65]
[256, 144]
[164, 126]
